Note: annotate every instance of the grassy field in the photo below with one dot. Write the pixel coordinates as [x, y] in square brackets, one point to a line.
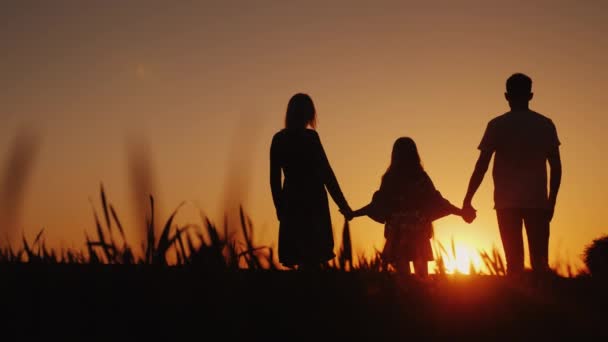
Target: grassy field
[86, 301]
[198, 281]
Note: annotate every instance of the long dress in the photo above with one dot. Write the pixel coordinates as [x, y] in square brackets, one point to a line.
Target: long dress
[408, 206]
[301, 202]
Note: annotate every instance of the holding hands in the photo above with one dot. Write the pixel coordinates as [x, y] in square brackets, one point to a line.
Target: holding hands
[468, 213]
[348, 213]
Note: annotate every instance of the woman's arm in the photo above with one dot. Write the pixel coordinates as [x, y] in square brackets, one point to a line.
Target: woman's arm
[275, 178]
[329, 178]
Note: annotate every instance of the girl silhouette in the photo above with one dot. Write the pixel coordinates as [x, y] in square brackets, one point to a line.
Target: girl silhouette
[407, 203]
[301, 203]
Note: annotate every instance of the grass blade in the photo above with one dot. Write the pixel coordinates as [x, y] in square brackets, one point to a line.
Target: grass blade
[104, 204]
[163, 242]
[118, 224]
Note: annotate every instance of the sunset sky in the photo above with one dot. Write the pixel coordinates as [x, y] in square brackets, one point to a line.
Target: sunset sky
[203, 86]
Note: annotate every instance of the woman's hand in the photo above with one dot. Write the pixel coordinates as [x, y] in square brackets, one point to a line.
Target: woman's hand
[348, 213]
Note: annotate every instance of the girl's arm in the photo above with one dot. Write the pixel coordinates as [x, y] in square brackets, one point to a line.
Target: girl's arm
[438, 205]
[454, 210]
[364, 211]
[376, 209]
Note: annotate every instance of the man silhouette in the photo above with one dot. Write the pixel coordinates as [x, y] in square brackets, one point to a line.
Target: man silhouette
[523, 141]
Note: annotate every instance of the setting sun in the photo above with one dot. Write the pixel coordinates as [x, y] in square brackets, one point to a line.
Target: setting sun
[462, 259]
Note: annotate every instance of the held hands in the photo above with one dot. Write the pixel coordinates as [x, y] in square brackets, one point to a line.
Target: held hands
[348, 213]
[468, 213]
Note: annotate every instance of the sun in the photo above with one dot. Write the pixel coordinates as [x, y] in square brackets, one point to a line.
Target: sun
[462, 259]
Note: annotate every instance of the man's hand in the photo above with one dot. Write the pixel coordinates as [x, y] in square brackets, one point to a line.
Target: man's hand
[468, 213]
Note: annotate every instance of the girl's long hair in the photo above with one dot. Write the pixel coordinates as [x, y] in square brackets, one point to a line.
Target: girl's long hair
[405, 161]
[301, 112]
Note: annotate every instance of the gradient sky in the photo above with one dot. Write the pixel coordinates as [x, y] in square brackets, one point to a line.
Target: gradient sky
[205, 85]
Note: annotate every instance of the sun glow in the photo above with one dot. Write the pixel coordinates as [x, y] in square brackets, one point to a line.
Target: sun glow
[461, 259]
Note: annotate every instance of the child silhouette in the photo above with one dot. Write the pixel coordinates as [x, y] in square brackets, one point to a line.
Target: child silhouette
[407, 203]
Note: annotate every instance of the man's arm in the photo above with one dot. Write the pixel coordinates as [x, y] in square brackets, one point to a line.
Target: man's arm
[477, 177]
[555, 164]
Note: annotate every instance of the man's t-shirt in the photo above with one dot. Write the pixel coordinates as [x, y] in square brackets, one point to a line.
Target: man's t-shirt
[522, 141]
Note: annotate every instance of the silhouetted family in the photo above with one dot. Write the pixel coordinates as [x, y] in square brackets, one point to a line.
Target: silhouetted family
[521, 140]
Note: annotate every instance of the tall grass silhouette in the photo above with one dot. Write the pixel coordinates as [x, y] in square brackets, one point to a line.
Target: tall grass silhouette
[345, 254]
[206, 246]
[494, 261]
[202, 244]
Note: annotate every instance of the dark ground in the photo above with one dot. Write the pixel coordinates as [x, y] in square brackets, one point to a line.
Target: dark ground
[177, 304]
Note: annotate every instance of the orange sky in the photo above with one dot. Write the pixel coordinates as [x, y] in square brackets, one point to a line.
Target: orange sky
[206, 84]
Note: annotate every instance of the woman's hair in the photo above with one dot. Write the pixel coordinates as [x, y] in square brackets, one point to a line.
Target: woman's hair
[405, 160]
[301, 112]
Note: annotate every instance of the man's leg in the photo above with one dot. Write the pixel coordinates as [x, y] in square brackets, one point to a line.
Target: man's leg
[537, 230]
[510, 225]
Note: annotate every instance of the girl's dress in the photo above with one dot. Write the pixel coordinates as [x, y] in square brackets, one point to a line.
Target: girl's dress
[408, 205]
[305, 231]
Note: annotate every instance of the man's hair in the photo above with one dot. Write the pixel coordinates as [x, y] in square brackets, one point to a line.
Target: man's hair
[519, 84]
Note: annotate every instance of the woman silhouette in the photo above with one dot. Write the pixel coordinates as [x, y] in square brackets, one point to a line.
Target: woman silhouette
[305, 230]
